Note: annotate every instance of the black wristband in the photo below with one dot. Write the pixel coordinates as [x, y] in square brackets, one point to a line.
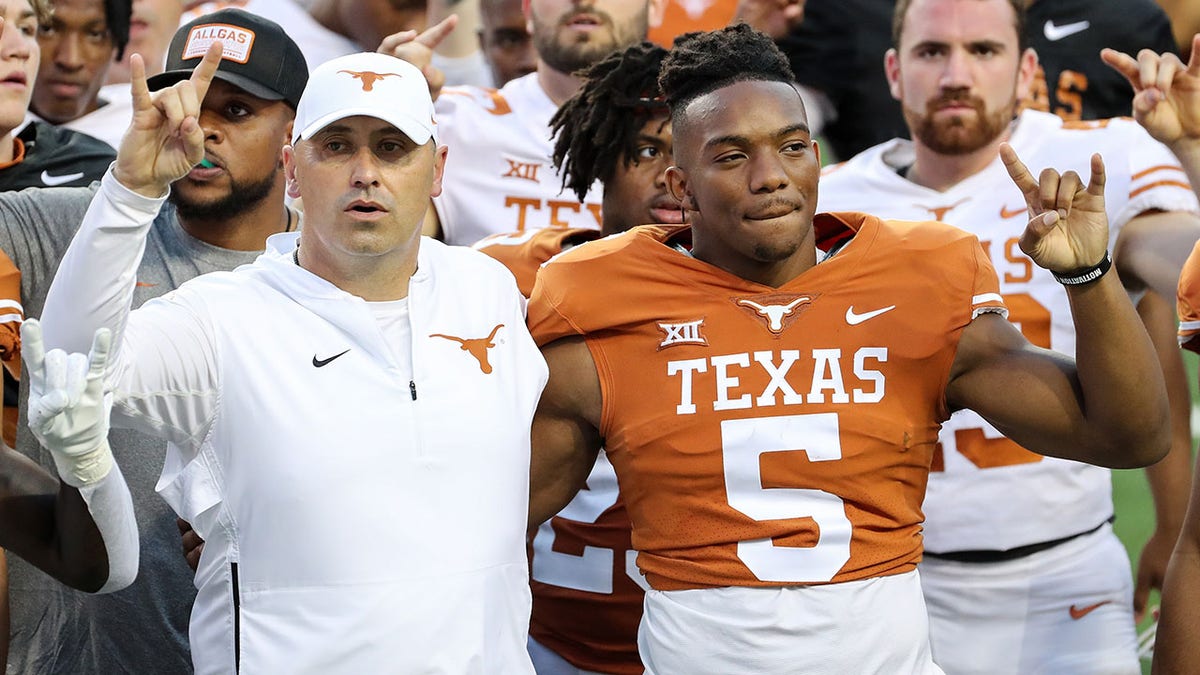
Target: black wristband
[1088, 275]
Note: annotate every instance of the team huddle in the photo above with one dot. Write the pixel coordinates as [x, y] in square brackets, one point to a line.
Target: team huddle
[602, 371]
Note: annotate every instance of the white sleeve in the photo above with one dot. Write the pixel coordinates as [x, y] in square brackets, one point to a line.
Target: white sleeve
[460, 70]
[161, 370]
[94, 283]
[1157, 179]
[111, 507]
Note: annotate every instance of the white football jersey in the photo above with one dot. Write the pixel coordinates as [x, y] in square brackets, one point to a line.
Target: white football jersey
[986, 492]
[499, 176]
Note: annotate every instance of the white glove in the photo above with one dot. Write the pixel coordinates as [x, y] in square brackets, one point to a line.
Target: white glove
[68, 408]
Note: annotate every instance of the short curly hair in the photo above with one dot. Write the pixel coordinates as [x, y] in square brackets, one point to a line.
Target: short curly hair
[601, 122]
[700, 63]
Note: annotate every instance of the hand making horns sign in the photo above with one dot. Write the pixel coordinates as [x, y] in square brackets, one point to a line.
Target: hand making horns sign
[164, 140]
[1068, 227]
[1166, 92]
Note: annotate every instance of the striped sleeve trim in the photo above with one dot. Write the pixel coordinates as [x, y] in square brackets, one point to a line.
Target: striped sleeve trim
[1155, 169]
[988, 303]
[1188, 332]
[1162, 183]
[1162, 175]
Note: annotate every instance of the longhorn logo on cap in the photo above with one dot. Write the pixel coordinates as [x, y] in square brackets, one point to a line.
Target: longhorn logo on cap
[368, 78]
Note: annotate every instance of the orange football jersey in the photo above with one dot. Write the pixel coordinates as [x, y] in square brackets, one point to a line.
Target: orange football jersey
[586, 607]
[11, 316]
[772, 436]
[1188, 303]
[524, 252]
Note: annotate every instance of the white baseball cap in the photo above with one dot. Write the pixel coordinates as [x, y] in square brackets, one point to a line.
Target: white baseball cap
[371, 84]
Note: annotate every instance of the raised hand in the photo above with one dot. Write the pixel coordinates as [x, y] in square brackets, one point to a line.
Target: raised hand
[1068, 227]
[776, 18]
[164, 140]
[418, 50]
[1166, 93]
[68, 409]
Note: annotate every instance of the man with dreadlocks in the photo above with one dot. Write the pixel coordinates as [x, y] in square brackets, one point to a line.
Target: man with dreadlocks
[587, 600]
[770, 397]
[614, 130]
[497, 174]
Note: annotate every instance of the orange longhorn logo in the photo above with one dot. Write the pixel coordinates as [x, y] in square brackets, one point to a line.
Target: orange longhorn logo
[478, 347]
[368, 78]
[939, 212]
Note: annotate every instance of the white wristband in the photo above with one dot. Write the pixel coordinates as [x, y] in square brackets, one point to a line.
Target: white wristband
[87, 468]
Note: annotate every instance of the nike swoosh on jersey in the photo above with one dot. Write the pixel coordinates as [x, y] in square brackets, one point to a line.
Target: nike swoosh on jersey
[320, 363]
[52, 181]
[1055, 33]
[1005, 213]
[1078, 613]
[854, 318]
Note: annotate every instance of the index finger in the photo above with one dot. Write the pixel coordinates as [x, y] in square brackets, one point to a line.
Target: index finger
[33, 349]
[434, 35]
[1020, 175]
[138, 87]
[202, 76]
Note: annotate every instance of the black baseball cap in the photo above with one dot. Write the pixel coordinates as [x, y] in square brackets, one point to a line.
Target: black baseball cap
[258, 56]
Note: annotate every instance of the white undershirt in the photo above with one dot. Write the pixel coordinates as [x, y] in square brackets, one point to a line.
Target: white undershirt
[392, 316]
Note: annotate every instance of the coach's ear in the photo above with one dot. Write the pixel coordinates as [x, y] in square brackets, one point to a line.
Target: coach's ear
[677, 185]
[289, 171]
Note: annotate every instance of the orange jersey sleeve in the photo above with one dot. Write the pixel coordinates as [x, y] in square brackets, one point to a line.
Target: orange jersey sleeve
[524, 252]
[1188, 302]
[11, 315]
[772, 436]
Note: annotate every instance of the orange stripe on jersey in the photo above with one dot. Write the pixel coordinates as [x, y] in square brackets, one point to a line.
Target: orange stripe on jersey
[524, 252]
[1086, 125]
[1161, 183]
[1160, 167]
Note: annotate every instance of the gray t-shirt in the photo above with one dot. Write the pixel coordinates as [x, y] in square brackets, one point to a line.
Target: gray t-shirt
[144, 628]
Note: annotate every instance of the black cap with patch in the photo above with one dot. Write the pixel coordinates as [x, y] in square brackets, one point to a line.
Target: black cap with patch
[258, 56]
